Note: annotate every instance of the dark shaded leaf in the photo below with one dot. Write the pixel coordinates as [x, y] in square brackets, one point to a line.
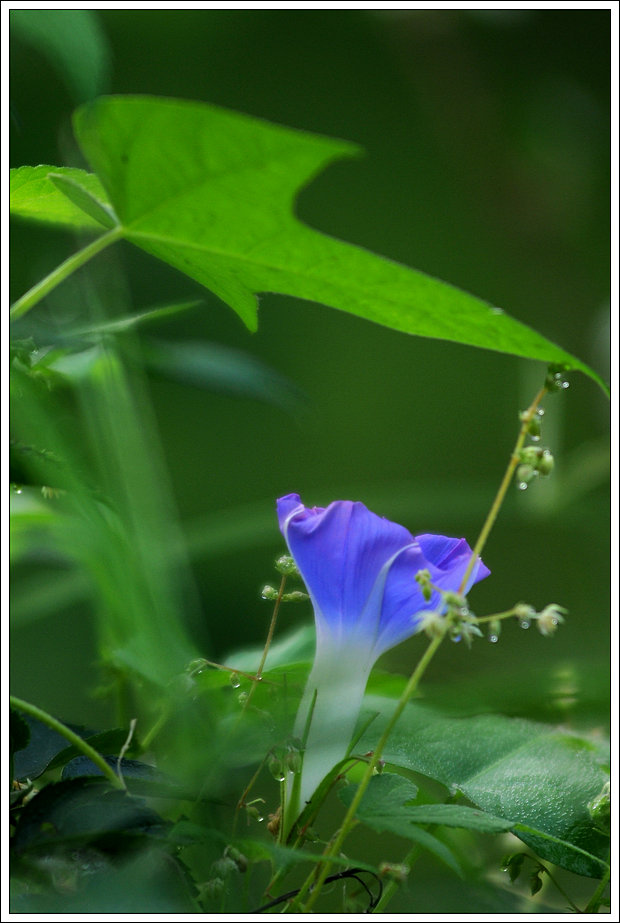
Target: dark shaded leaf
[83, 810]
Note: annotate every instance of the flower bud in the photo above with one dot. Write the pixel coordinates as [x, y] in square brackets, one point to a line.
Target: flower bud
[524, 475]
[294, 761]
[531, 455]
[533, 425]
[423, 577]
[394, 871]
[212, 889]
[269, 592]
[252, 811]
[433, 624]
[276, 768]
[286, 566]
[545, 463]
[549, 619]
[495, 629]
[555, 380]
[223, 867]
[295, 596]
[237, 857]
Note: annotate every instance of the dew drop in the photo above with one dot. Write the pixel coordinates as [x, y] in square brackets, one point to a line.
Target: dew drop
[535, 438]
[493, 639]
[235, 682]
[525, 623]
[523, 485]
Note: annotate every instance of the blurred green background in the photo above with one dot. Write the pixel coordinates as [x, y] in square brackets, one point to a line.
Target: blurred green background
[487, 165]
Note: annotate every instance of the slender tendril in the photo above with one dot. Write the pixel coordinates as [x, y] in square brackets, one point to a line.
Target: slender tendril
[272, 627]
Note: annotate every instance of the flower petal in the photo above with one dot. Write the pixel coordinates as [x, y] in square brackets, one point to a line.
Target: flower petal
[341, 551]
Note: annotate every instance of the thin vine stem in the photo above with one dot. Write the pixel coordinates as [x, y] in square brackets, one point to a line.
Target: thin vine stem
[272, 627]
[489, 522]
[595, 901]
[45, 718]
[349, 820]
[62, 272]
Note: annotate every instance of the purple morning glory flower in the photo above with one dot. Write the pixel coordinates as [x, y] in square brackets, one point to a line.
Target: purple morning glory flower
[359, 570]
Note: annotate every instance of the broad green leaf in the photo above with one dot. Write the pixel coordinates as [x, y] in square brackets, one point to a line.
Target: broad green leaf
[37, 195]
[211, 192]
[537, 777]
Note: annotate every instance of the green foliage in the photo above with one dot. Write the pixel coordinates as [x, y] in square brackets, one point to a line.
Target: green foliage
[532, 775]
[210, 192]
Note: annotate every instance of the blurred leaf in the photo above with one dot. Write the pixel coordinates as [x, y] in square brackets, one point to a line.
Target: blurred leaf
[83, 810]
[220, 368]
[130, 321]
[538, 777]
[36, 197]
[74, 43]
[151, 882]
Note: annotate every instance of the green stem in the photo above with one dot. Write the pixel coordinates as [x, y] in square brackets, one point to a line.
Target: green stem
[595, 901]
[503, 488]
[272, 628]
[69, 735]
[349, 819]
[62, 272]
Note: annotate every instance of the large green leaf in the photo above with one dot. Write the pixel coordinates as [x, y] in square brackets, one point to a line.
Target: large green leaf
[539, 778]
[211, 192]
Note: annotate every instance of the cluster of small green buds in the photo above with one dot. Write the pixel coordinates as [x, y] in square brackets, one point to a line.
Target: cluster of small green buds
[286, 566]
[533, 461]
[394, 871]
[547, 620]
[287, 758]
[462, 624]
[423, 577]
[456, 620]
[556, 380]
[211, 890]
[270, 592]
[433, 624]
